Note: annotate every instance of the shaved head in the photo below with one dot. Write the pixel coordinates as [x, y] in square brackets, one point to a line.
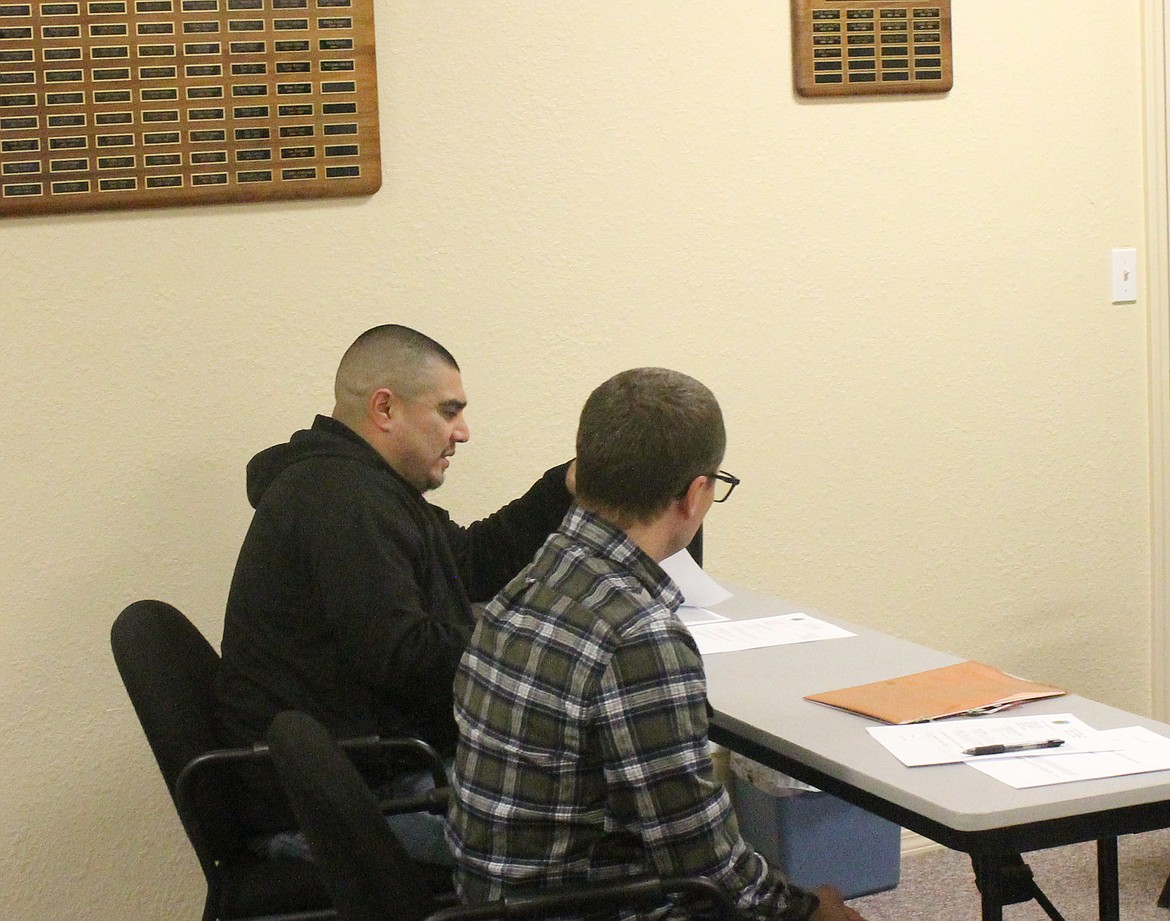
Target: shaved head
[397, 358]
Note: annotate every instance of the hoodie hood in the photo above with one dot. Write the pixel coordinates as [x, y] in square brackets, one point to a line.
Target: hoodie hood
[327, 438]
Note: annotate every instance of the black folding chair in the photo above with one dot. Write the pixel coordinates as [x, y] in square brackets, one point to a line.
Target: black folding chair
[372, 878]
[169, 671]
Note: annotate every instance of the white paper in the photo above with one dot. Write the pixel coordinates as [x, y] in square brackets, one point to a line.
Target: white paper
[944, 741]
[733, 635]
[699, 589]
[692, 617]
[1137, 751]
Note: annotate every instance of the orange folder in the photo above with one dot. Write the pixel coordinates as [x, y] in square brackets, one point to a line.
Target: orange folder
[964, 689]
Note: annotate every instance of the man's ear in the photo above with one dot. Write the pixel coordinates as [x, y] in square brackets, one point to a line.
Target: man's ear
[693, 499]
[381, 408]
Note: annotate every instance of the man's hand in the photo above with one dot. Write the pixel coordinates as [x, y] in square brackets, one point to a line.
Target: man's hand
[833, 907]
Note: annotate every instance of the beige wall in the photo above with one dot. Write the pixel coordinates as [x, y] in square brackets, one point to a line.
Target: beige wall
[939, 418]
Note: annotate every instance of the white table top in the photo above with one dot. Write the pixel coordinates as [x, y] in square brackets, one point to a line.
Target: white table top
[758, 695]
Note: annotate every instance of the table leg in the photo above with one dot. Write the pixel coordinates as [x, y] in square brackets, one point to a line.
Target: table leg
[1107, 880]
[989, 870]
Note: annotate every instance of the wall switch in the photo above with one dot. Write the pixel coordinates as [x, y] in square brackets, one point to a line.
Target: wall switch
[1124, 275]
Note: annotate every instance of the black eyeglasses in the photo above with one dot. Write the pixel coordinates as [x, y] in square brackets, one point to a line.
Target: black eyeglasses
[725, 484]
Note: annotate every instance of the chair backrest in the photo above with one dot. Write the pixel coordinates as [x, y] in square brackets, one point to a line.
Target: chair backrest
[370, 876]
[368, 873]
[169, 671]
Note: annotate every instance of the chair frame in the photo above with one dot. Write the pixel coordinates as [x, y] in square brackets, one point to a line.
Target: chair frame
[220, 758]
[626, 892]
[339, 816]
[184, 780]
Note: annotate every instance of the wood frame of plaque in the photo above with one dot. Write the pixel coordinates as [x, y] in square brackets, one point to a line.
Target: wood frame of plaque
[146, 103]
[864, 47]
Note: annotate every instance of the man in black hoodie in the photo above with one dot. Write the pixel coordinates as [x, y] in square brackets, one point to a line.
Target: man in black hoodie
[351, 598]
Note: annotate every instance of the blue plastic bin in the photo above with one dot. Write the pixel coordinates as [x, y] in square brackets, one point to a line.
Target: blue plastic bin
[816, 838]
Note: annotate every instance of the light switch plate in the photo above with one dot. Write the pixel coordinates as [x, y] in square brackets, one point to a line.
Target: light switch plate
[1124, 275]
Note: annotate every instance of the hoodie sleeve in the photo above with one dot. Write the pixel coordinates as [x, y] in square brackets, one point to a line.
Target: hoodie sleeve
[491, 551]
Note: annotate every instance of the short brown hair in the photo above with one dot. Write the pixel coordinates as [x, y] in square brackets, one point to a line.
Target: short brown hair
[644, 435]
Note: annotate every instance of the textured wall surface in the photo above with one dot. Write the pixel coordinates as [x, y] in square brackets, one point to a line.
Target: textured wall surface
[938, 416]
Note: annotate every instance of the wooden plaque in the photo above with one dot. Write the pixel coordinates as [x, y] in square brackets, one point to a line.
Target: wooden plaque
[135, 103]
[859, 47]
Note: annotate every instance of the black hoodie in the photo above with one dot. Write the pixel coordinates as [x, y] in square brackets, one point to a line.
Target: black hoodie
[351, 595]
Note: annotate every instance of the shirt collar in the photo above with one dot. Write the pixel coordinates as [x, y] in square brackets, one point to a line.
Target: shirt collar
[613, 544]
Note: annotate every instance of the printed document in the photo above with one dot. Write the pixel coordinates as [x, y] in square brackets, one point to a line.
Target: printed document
[945, 741]
[692, 617]
[1135, 750]
[733, 635]
[715, 633]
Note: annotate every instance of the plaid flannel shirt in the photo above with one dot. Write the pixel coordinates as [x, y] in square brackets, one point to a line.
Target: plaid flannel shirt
[583, 754]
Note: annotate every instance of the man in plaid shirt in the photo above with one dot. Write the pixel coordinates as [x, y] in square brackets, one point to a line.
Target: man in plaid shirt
[581, 700]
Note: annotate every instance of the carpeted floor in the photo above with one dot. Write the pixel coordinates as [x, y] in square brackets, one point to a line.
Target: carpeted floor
[938, 885]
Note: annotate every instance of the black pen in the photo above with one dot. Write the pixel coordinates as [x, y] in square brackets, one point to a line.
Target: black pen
[1019, 747]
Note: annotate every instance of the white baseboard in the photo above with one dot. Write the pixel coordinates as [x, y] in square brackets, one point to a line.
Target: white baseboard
[914, 843]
